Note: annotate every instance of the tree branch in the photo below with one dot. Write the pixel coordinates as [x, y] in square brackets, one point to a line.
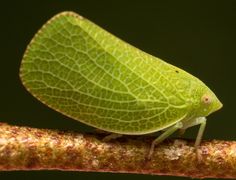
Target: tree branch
[23, 148]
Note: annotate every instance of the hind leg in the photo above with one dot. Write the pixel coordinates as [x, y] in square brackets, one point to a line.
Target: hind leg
[111, 136]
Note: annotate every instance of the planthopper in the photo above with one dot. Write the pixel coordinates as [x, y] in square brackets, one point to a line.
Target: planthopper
[84, 72]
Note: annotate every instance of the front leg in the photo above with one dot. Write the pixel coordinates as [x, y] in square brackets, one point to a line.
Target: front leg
[194, 122]
[202, 122]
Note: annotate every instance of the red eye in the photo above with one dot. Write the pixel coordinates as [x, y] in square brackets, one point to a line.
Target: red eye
[206, 99]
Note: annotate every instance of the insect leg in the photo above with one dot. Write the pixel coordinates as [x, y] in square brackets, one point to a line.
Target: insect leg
[163, 136]
[194, 122]
[111, 136]
[202, 122]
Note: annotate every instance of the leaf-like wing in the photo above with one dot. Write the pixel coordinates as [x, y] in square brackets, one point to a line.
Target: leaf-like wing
[84, 72]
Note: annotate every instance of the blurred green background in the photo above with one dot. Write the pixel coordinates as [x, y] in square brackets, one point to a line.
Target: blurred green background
[198, 36]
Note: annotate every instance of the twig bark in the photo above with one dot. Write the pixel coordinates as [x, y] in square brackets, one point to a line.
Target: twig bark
[23, 148]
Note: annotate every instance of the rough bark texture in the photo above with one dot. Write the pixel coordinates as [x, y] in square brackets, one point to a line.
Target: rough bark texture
[23, 148]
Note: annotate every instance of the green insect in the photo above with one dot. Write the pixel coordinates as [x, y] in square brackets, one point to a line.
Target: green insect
[86, 73]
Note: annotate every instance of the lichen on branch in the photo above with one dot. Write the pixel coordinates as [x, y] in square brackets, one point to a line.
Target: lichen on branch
[24, 148]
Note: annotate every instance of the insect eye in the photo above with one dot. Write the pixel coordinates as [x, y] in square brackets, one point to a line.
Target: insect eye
[206, 99]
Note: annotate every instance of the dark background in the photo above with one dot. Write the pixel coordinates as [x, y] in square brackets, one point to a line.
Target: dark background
[198, 36]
